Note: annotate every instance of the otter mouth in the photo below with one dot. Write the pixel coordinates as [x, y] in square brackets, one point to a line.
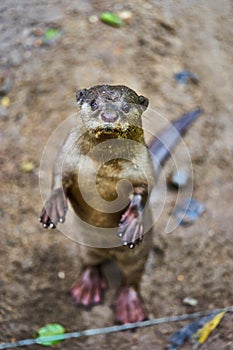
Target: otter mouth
[109, 130]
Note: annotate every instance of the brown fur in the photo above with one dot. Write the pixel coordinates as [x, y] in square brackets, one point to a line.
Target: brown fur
[106, 153]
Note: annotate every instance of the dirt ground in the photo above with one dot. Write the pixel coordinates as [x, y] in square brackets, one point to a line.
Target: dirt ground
[161, 39]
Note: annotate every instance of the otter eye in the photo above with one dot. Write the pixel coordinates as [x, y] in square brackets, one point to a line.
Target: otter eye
[94, 105]
[125, 108]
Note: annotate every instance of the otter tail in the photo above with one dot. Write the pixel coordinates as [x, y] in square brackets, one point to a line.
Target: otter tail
[166, 141]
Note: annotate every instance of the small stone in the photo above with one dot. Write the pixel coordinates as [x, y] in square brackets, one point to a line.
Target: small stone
[211, 233]
[179, 178]
[61, 275]
[38, 32]
[126, 16]
[190, 301]
[93, 19]
[38, 43]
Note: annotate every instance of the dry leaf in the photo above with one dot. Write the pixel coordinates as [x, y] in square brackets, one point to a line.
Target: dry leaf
[203, 333]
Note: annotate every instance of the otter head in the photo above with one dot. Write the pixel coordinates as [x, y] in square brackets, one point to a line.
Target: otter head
[111, 111]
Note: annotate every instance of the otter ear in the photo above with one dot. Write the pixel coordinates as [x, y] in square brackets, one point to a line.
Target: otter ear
[80, 95]
[143, 101]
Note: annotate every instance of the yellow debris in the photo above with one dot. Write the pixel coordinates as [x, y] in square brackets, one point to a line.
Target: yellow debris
[202, 334]
[5, 101]
[27, 166]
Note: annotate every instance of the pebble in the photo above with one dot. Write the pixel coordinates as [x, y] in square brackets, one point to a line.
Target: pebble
[190, 301]
[179, 178]
[37, 43]
[38, 32]
[93, 19]
[126, 16]
[61, 275]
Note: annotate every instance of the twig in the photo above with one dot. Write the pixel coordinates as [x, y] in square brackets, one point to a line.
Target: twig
[112, 329]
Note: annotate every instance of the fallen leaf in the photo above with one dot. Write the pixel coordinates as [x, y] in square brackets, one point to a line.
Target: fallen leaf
[27, 166]
[112, 19]
[5, 101]
[51, 33]
[187, 332]
[203, 333]
[50, 330]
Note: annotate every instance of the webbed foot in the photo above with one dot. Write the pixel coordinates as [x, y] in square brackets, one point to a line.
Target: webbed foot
[89, 287]
[129, 306]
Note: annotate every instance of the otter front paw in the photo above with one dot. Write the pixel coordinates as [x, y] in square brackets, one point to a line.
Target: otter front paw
[131, 224]
[54, 210]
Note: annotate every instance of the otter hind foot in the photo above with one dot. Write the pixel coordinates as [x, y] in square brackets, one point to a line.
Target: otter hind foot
[54, 210]
[88, 288]
[129, 306]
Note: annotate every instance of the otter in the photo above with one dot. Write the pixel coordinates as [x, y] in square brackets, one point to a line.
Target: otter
[109, 137]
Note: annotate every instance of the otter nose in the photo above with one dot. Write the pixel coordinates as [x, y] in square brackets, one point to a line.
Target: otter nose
[109, 116]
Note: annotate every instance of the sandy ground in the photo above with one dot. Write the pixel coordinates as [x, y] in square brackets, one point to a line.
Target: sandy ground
[161, 39]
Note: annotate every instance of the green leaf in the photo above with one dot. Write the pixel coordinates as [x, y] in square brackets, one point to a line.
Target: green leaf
[51, 34]
[112, 19]
[50, 330]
